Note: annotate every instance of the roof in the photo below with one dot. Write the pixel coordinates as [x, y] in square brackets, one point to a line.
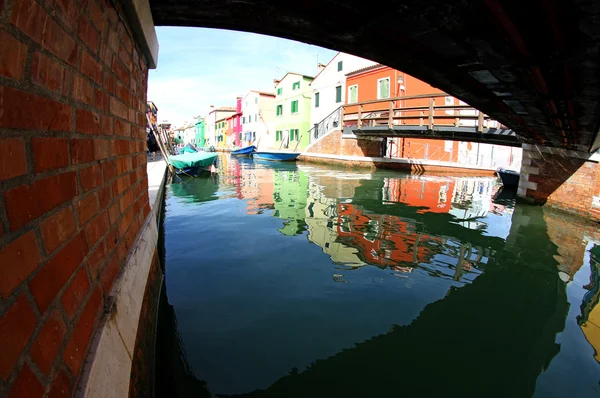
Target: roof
[294, 73]
[263, 93]
[366, 69]
[223, 109]
[327, 64]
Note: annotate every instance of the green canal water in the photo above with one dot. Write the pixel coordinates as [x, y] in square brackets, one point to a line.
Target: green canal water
[301, 280]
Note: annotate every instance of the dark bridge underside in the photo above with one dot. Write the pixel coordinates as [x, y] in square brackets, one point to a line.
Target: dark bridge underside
[533, 65]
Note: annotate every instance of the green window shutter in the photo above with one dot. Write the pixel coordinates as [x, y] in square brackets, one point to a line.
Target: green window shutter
[384, 88]
[279, 91]
[316, 100]
[353, 94]
[340, 66]
[338, 94]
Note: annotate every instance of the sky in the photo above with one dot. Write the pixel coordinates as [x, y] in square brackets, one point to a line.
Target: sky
[199, 67]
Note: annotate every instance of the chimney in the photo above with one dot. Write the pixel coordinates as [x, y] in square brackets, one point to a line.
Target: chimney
[276, 82]
[320, 67]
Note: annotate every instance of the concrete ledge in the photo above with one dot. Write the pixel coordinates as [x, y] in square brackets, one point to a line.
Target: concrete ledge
[107, 369]
[537, 152]
[140, 20]
[391, 161]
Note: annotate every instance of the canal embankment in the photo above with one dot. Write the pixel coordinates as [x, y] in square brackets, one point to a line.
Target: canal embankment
[122, 351]
[412, 165]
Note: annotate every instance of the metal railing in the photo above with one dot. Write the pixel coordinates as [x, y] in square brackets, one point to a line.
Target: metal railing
[416, 110]
[330, 122]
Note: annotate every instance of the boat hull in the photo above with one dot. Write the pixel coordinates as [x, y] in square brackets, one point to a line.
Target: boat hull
[247, 151]
[193, 172]
[276, 156]
[510, 179]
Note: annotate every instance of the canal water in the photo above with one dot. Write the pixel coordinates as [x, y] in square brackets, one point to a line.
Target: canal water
[302, 280]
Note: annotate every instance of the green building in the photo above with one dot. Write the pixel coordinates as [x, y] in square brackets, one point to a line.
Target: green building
[290, 193]
[200, 139]
[292, 111]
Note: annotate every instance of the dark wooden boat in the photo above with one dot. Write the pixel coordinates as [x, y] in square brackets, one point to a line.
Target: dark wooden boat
[510, 178]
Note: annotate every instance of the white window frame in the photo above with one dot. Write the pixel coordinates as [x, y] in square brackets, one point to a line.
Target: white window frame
[379, 87]
[350, 97]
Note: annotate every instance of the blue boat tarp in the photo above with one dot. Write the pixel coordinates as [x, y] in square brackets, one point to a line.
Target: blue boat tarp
[244, 151]
[196, 159]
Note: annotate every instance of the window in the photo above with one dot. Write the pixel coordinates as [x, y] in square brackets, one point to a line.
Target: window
[340, 66]
[256, 117]
[316, 100]
[294, 134]
[279, 90]
[279, 110]
[338, 94]
[296, 85]
[278, 135]
[256, 100]
[240, 137]
[249, 118]
[353, 94]
[295, 106]
[383, 88]
[244, 120]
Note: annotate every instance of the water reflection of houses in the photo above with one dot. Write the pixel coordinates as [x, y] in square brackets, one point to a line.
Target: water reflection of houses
[289, 197]
[384, 240]
[321, 212]
[349, 234]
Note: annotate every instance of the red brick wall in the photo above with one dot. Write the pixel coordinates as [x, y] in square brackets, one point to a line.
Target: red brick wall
[333, 144]
[73, 181]
[561, 180]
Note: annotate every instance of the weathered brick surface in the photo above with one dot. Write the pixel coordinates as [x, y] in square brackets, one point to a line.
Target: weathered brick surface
[333, 144]
[13, 162]
[73, 182]
[568, 183]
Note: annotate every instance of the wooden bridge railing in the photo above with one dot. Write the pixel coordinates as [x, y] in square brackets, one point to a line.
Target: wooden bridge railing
[417, 110]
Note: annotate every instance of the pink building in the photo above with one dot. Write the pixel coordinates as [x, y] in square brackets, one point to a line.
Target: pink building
[237, 125]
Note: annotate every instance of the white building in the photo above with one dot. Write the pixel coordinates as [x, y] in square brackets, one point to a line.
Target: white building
[210, 121]
[329, 86]
[258, 119]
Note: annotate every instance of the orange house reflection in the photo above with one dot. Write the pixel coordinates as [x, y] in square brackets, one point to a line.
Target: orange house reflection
[433, 196]
[383, 240]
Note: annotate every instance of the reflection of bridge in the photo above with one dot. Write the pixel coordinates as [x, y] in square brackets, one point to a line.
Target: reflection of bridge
[420, 117]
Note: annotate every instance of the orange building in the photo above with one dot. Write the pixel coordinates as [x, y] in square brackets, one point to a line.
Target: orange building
[379, 82]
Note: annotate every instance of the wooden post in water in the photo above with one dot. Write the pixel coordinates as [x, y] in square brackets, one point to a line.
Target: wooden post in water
[480, 122]
[391, 116]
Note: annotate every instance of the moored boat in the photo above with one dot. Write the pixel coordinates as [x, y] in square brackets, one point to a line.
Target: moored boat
[246, 151]
[510, 178]
[275, 156]
[193, 164]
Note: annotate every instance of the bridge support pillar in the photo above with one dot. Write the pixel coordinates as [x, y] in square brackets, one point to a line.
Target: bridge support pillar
[563, 179]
